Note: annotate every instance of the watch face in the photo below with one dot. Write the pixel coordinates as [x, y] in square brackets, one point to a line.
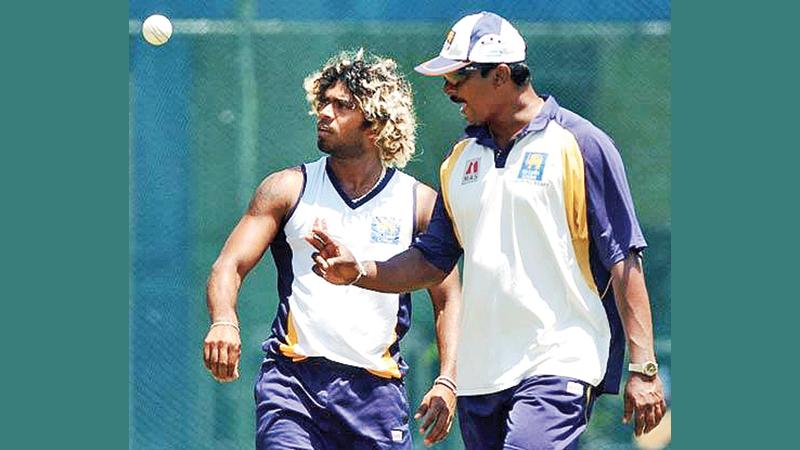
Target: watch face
[650, 369]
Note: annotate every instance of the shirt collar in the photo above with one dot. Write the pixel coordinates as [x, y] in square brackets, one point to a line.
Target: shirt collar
[484, 137]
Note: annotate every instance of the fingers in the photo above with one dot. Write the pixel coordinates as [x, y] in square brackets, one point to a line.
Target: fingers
[315, 241]
[659, 410]
[436, 411]
[227, 369]
[317, 270]
[320, 261]
[428, 419]
[321, 236]
[221, 355]
[318, 239]
[233, 363]
[441, 424]
[221, 368]
[326, 246]
[644, 399]
[641, 422]
[338, 270]
[214, 359]
[423, 408]
[648, 416]
[207, 354]
[626, 416]
[651, 415]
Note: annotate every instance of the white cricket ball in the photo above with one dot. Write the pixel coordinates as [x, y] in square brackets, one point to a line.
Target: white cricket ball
[156, 29]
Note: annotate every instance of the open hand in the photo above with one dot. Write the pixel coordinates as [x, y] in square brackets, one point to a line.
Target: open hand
[332, 261]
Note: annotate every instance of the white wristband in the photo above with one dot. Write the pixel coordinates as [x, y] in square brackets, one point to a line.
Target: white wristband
[447, 382]
[361, 272]
[221, 323]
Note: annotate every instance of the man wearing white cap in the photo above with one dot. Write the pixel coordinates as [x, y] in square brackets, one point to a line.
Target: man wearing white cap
[536, 199]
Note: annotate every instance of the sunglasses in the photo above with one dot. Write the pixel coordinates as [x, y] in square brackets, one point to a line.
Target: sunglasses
[459, 76]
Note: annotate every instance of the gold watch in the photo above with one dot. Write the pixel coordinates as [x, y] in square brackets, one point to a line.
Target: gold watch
[648, 368]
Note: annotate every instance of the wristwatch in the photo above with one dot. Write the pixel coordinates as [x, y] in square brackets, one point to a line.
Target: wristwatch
[648, 368]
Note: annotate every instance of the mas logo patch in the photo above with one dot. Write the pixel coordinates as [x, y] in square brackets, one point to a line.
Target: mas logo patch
[385, 230]
[532, 166]
[471, 171]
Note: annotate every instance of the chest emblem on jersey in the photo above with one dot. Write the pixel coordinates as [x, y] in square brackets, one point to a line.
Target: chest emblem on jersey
[532, 166]
[385, 230]
[471, 171]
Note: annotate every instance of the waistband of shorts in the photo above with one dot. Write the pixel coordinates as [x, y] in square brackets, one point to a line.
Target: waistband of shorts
[320, 362]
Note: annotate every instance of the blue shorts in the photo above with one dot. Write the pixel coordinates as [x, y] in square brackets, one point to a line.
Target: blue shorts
[542, 412]
[322, 405]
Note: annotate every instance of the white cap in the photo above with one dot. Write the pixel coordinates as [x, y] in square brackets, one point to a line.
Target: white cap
[478, 38]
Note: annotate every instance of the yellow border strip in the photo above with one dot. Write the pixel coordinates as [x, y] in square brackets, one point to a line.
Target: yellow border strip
[575, 206]
[289, 349]
[391, 370]
[445, 171]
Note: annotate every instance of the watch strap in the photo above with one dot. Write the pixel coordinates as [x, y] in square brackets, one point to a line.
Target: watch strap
[642, 368]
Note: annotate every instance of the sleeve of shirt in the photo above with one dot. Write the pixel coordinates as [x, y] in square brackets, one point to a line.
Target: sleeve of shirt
[613, 225]
[438, 243]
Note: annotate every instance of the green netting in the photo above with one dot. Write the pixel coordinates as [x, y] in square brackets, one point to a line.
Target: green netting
[221, 105]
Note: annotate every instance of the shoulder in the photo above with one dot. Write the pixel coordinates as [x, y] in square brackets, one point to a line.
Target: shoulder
[401, 178]
[277, 191]
[452, 158]
[590, 138]
[425, 199]
[425, 194]
[596, 147]
[282, 181]
[458, 148]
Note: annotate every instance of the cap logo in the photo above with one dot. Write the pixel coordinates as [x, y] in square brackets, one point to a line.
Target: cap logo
[449, 40]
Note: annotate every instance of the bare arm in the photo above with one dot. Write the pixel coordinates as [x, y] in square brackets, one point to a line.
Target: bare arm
[643, 395]
[404, 272]
[437, 408]
[243, 249]
[633, 303]
[445, 296]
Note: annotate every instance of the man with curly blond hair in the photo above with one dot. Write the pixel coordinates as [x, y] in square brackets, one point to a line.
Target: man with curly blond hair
[332, 377]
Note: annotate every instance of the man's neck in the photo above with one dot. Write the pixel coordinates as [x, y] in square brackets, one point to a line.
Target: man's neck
[513, 119]
[357, 176]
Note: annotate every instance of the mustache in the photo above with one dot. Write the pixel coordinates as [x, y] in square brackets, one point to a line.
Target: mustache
[455, 99]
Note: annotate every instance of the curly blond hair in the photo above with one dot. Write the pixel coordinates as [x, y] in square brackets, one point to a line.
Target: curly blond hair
[382, 94]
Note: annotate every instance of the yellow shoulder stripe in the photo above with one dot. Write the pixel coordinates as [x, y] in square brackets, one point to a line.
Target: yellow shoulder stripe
[575, 206]
[445, 172]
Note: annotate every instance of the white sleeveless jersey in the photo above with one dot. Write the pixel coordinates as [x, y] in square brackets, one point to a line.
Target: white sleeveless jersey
[345, 324]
